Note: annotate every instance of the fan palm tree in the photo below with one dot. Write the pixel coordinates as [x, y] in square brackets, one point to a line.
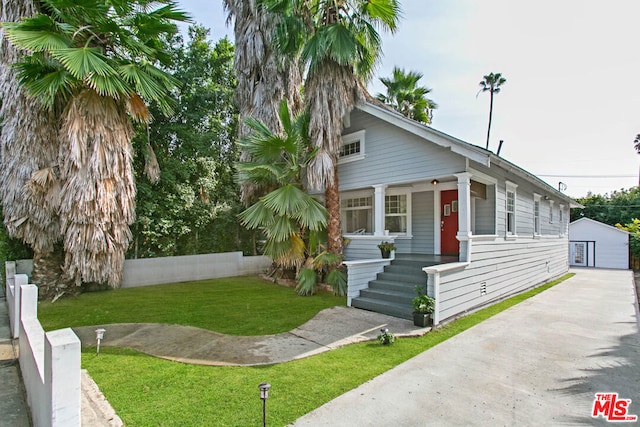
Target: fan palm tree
[491, 83]
[29, 185]
[636, 143]
[339, 43]
[264, 75]
[93, 64]
[406, 97]
[287, 213]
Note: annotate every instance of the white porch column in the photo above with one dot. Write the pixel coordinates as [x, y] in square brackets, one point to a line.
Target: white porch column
[464, 215]
[378, 209]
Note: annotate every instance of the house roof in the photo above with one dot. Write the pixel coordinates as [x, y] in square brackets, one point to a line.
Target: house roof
[597, 223]
[458, 146]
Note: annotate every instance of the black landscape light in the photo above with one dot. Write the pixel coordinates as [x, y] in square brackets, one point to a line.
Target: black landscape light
[264, 395]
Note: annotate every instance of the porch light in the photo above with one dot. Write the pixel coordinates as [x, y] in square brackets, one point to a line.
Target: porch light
[435, 182]
[264, 395]
[99, 336]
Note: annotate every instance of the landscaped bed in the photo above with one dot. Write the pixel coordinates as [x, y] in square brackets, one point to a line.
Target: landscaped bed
[146, 391]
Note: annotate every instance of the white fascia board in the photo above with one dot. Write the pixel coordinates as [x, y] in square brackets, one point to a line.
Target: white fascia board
[457, 146]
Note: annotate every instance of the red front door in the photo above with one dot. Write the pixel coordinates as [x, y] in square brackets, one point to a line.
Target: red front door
[449, 245]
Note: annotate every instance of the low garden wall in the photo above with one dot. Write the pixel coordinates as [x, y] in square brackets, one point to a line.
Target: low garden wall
[156, 271]
[49, 362]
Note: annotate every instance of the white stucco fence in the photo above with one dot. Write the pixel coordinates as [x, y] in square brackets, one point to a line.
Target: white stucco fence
[49, 362]
[156, 271]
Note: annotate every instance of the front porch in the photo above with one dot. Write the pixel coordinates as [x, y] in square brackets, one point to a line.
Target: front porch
[388, 285]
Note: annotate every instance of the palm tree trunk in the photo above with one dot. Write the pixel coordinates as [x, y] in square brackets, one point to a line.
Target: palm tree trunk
[29, 183]
[264, 76]
[334, 229]
[48, 274]
[490, 114]
[98, 196]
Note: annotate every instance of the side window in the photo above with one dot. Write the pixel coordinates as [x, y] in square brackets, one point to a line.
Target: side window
[511, 208]
[536, 214]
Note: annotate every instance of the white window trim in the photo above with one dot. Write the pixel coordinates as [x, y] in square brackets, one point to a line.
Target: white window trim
[511, 187]
[407, 193]
[551, 203]
[353, 137]
[536, 199]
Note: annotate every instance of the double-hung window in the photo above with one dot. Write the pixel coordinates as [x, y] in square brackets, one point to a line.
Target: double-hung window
[397, 212]
[357, 214]
[511, 208]
[536, 214]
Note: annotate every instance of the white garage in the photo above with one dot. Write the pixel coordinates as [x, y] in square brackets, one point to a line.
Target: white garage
[594, 244]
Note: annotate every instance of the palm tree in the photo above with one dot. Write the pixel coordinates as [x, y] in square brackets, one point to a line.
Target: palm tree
[491, 84]
[264, 75]
[91, 63]
[636, 143]
[405, 96]
[339, 43]
[287, 213]
[29, 147]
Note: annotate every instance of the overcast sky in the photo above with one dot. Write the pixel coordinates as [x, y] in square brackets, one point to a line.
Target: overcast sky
[570, 108]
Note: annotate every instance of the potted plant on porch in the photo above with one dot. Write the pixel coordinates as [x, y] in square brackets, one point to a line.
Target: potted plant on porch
[423, 306]
[386, 248]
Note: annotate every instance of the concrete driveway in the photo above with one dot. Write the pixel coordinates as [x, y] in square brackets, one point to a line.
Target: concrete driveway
[538, 363]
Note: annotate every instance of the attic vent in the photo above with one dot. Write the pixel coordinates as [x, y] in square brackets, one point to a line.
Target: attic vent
[483, 288]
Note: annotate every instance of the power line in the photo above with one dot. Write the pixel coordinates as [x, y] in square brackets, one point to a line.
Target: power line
[588, 176]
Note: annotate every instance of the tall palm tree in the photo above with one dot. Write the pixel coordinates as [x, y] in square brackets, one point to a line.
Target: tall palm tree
[29, 184]
[405, 96]
[92, 63]
[339, 43]
[264, 75]
[491, 83]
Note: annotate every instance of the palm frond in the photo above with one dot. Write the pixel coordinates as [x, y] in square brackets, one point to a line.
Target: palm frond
[306, 282]
[286, 200]
[256, 216]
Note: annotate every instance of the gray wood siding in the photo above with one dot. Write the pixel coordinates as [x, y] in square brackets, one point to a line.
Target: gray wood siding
[422, 212]
[485, 218]
[504, 268]
[362, 249]
[393, 155]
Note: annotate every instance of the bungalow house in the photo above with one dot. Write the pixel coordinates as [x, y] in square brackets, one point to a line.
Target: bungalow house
[472, 226]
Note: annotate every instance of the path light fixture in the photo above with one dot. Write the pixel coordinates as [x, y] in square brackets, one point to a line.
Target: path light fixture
[264, 395]
[99, 336]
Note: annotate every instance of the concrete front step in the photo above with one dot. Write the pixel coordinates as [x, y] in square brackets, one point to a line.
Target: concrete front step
[387, 295]
[402, 278]
[402, 311]
[390, 285]
[416, 273]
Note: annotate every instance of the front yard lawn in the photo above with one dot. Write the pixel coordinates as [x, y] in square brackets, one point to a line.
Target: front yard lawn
[234, 305]
[146, 391]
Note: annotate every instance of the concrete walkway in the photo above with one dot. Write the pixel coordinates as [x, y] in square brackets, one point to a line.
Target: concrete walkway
[329, 329]
[538, 363]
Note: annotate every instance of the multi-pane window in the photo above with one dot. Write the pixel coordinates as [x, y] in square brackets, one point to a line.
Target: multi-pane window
[511, 212]
[352, 147]
[357, 215]
[536, 217]
[396, 213]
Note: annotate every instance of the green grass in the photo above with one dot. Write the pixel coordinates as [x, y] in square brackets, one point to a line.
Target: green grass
[236, 306]
[146, 391]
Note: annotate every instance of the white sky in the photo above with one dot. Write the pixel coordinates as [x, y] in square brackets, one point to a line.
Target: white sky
[571, 103]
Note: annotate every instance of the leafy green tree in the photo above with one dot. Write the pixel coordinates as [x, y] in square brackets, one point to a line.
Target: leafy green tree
[619, 207]
[405, 96]
[339, 44]
[491, 83]
[96, 59]
[192, 208]
[634, 242]
[292, 220]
